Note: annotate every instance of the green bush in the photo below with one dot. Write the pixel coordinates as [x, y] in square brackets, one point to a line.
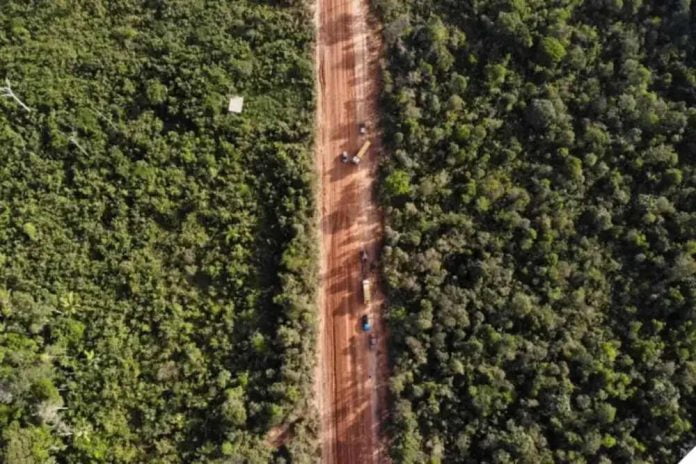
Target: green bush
[552, 50]
[397, 183]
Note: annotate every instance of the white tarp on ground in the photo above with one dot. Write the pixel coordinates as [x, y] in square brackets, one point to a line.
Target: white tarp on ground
[236, 104]
[689, 458]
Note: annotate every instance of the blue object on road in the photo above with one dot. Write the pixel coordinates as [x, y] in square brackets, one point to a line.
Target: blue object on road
[366, 326]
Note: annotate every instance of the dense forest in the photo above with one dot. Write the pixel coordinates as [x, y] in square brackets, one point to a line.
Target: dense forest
[541, 229]
[157, 259]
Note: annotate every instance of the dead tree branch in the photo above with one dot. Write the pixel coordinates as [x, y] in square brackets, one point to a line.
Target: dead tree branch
[7, 92]
[73, 139]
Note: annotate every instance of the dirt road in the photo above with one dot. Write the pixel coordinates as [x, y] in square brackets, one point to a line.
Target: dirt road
[351, 387]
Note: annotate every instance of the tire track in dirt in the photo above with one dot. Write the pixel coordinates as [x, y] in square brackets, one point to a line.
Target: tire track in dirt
[352, 377]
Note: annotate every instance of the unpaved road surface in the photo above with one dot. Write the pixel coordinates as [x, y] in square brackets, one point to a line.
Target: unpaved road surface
[352, 376]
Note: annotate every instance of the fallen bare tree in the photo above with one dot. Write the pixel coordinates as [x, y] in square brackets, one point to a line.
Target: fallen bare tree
[7, 92]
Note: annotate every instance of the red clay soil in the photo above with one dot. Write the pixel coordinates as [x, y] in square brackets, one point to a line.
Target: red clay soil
[352, 377]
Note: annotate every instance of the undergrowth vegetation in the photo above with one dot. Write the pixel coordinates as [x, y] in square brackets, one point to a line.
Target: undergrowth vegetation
[157, 254]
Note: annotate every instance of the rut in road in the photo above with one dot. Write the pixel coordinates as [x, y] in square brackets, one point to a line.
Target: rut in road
[352, 377]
